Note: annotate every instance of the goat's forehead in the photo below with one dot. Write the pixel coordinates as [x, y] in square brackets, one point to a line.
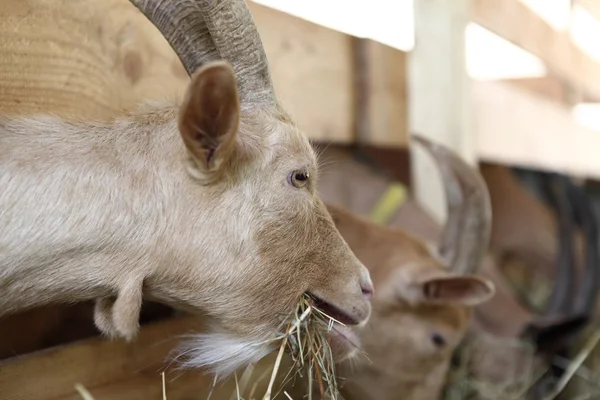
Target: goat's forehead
[282, 139]
[290, 140]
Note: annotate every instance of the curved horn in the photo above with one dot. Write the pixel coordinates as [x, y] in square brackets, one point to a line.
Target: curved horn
[237, 40]
[557, 194]
[467, 232]
[557, 337]
[586, 218]
[183, 26]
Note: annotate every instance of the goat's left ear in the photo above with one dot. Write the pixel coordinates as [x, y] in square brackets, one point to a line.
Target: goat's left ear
[468, 290]
[209, 116]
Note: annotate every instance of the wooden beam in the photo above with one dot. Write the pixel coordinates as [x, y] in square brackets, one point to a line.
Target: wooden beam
[519, 128]
[90, 59]
[312, 72]
[117, 370]
[95, 58]
[547, 86]
[591, 6]
[380, 94]
[53, 373]
[515, 22]
[439, 94]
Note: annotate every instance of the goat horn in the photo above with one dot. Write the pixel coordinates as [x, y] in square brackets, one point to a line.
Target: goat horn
[466, 235]
[184, 29]
[586, 218]
[556, 190]
[556, 338]
[237, 40]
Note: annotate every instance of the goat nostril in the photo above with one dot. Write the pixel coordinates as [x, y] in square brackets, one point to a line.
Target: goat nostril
[367, 292]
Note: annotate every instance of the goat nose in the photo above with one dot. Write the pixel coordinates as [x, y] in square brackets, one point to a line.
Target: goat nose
[367, 291]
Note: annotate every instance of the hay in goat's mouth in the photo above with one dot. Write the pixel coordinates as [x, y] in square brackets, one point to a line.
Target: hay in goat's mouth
[305, 337]
[304, 334]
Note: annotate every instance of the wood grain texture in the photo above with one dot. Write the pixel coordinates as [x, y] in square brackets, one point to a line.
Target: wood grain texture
[85, 59]
[386, 91]
[312, 72]
[92, 59]
[52, 373]
[115, 370]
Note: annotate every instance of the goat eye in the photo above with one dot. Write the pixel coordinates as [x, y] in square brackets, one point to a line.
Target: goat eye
[438, 340]
[298, 179]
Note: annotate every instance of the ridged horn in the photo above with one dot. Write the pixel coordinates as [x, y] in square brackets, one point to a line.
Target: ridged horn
[236, 38]
[183, 26]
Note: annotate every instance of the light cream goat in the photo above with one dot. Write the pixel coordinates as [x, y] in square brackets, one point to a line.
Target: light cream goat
[208, 206]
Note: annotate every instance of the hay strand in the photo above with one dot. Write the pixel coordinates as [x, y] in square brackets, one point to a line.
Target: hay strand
[267, 395]
[574, 366]
[83, 392]
[304, 338]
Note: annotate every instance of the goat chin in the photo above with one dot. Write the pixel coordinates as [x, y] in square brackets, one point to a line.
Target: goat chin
[220, 353]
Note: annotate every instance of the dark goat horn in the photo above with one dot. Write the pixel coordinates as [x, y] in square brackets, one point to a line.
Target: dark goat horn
[587, 220]
[556, 338]
[561, 298]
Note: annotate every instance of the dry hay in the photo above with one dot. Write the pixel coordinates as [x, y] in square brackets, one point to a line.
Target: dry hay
[309, 357]
[306, 340]
[492, 368]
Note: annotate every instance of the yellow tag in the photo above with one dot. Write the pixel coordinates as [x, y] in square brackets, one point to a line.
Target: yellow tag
[389, 202]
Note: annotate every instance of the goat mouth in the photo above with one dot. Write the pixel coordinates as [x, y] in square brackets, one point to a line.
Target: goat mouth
[333, 311]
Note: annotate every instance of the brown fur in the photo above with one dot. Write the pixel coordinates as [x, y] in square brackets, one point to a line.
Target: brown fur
[208, 224]
[407, 318]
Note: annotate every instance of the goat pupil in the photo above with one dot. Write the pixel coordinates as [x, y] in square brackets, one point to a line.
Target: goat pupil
[438, 340]
[301, 176]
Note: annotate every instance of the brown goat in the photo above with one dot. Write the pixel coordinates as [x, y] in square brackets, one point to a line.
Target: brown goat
[421, 311]
[422, 305]
[208, 206]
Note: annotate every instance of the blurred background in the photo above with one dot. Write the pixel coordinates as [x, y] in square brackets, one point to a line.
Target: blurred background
[512, 86]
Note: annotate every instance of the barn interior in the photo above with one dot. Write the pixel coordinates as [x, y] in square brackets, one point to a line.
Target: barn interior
[511, 86]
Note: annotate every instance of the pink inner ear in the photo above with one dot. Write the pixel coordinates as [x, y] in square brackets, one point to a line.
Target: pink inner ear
[465, 290]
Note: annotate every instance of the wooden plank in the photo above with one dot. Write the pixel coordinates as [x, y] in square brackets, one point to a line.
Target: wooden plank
[312, 72]
[52, 374]
[383, 93]
[116, 370]
[551, 88]
[519, 128]
[93, 58]
[517, 23]
[86, 58]
[439, 95]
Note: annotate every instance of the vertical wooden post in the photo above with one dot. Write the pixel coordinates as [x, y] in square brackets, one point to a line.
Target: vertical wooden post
[439, 94]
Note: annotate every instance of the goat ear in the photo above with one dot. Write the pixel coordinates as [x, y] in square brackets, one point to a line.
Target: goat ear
[467, 290]
[209, 116]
